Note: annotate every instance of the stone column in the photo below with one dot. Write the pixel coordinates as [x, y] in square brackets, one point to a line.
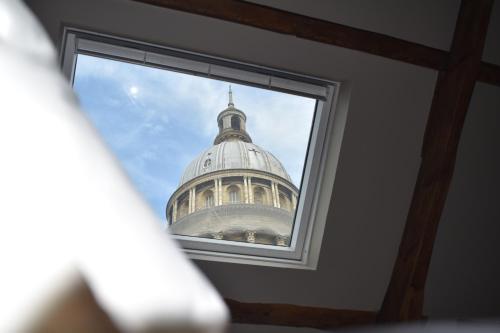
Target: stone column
[220, 191]
[245, 189]
[194, 198]
[294, 201]
[273, 194]
[174, 211]
[216, 191]
[250, 192]
[274, 190]
[190, 201]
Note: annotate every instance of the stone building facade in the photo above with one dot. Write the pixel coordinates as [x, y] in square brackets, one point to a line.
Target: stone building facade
[234, 190]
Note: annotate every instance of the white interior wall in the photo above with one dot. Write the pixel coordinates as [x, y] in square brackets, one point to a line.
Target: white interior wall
[380, 155]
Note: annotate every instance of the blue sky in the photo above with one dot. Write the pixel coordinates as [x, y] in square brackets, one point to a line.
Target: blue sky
[156, 121]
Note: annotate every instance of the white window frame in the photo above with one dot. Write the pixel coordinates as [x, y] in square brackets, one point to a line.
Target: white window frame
[323, 150]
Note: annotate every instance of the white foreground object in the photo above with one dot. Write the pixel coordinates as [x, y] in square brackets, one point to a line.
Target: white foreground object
[68, 209]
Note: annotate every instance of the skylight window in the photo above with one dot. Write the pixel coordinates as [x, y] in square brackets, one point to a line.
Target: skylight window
[231, 157]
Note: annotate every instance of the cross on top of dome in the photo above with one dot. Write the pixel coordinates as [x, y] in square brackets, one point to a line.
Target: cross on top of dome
[230, 97]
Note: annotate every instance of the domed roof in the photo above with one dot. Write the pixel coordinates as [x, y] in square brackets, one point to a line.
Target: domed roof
[234, 154]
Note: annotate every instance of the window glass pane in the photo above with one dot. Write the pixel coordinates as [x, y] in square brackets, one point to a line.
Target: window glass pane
[212, 159]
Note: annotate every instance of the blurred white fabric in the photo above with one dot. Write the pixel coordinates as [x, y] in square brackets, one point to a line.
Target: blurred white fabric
[68, 208]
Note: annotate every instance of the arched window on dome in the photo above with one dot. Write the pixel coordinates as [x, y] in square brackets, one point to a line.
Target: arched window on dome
[183, 209]
[235, 122]
[234, 194]
[221, 126]
[259, 196]
[209, 199]
[284, 202]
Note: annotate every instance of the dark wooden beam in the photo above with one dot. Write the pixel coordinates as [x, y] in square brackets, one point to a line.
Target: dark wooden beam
[489, 73]
[283, 22]
[297, 316]
[404, 297]
[313, 29]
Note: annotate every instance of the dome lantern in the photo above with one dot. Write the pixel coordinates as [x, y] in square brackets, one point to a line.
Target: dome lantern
[232, 124]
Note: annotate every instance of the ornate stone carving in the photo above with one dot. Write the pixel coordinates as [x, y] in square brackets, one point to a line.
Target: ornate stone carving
[250, 235]
[281, 240]
[218, 235]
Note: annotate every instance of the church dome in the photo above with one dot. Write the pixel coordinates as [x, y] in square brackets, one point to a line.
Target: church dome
[234, 154]
[234, 190]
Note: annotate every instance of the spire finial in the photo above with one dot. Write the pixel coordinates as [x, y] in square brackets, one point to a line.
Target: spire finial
[230, 97]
